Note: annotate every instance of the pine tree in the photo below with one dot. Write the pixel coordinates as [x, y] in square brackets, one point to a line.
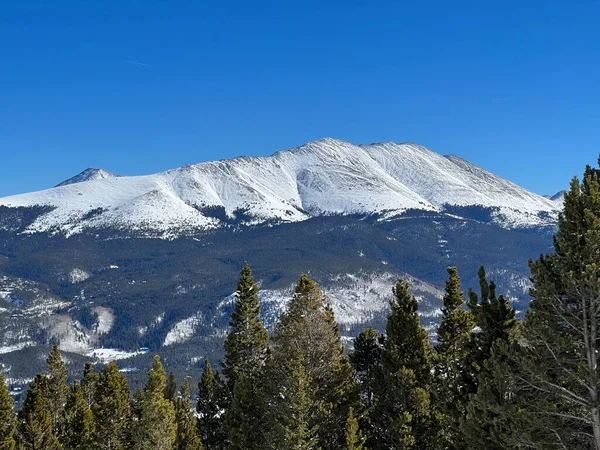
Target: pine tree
[35, 419]
[354, 438]
[7, 418]
[112, 409]
[365, 359]
[187, 433]
[246, 344]
[559, 366]
[58, 389]
[171, 387]
[79, 430]
[307, 334]
[155, 427]
[452, 381]
[292, 426]
[246, 348]
[88, 383]
[401, 414]
[210, 409]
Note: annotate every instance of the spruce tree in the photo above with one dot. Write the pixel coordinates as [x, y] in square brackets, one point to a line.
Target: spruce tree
[112, 409]
[187, 433]
[35, 419]
[155, 426]
[88, 383]
[58, 389]
[307, 334]
[452, 381]
[79, 431]
[365, 359]
[354, 438]
[401, 414]
[246, 348]
[247, 341]
[211, 398]
[7, 418]
[560, 367]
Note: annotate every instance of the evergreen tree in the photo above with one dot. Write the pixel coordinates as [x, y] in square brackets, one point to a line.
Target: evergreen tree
[307, 334]
[247, 341]
[58, 389]
[365, 359]
[559, 363]
[7, 418]
[88, 383]
[401, 414]
[452, 381]
[171, 387]
[155, 427]
[354, 438]
[246, 348]
[79, 423]
[112, 409]
[35, 419]
[210, 409]
[187, 433]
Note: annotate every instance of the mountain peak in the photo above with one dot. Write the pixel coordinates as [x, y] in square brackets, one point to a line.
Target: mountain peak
[88, 175]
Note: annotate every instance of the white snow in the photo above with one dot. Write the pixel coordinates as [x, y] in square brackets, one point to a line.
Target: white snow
[183, 330]
[78, 275]
[106, 355]
[323, 177]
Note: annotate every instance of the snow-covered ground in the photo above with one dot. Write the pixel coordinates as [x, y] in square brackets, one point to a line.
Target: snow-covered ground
[323, 177]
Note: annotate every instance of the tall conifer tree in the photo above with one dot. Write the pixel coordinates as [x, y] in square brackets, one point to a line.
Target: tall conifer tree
[308, 335]
[401, 414]
[35, 419]
[187, 432]
[112, 409]
[211, 401]
[7, 418]
[79, 426]
[58, 389]
[245, 356]
[452, 382]
[155, 426]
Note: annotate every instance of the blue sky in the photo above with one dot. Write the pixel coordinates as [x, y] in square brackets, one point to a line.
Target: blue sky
[138, 87]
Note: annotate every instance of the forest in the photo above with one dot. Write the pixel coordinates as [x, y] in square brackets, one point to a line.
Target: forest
[487, 380]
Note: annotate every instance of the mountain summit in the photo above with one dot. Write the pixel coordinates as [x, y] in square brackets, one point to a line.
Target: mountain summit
[88, 175]
[324, 177]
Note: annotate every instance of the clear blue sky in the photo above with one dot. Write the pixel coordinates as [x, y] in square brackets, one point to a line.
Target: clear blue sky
[138, 87]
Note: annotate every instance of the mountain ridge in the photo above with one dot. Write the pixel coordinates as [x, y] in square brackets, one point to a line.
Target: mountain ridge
[322, 177]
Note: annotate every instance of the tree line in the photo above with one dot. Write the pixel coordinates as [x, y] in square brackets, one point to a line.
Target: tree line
[490, 381]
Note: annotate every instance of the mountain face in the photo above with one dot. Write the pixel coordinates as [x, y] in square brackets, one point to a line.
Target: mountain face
[88, 175]
[77, 267]
[325, 177]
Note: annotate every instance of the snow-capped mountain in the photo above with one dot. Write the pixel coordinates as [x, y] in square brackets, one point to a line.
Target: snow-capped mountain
[88, 175]
[324, 177]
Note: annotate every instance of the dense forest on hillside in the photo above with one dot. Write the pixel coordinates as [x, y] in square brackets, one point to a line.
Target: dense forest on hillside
[490, 381]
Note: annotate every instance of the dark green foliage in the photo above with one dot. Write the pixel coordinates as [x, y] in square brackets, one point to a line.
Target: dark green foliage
[154, 426]
[211, 400]
[171, 387]
[354, 437]
[365, 358]
[7, 418]
[187, 432]
[246, 348]
[88, 383]
[112, 409]
[307, 348]
[402, 410]
[452, 382]
[58, 389]
[35, 419]
[79, 426]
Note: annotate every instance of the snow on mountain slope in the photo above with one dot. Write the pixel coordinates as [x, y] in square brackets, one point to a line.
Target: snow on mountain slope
[327, 176]
[88, 175]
